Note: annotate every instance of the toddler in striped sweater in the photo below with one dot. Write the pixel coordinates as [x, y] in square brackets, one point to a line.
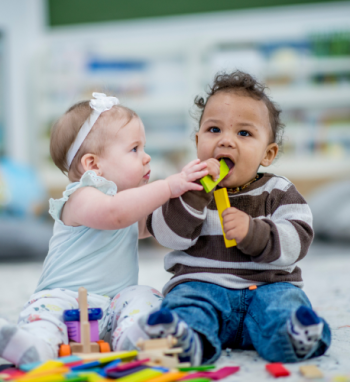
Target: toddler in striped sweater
[208, 304]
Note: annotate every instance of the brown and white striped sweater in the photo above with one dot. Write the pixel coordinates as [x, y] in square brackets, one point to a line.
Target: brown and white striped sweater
[280, 233]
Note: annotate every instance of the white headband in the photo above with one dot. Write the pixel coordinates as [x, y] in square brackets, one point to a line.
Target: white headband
[100, 104]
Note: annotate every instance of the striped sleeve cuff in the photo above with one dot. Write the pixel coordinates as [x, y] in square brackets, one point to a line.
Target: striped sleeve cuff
[257, 237]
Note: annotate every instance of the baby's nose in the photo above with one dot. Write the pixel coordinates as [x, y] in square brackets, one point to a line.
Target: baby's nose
[146, 159]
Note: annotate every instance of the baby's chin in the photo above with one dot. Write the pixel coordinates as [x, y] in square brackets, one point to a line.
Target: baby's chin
[143, 182]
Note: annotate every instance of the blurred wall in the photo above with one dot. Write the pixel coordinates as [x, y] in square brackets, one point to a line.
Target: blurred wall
[158, 65]
[22, 25]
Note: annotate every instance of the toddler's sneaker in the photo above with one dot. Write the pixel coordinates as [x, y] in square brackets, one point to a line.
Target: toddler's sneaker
[305, 330]
[164, 322]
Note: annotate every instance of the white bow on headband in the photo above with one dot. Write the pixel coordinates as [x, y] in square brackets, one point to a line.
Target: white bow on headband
[100, 104]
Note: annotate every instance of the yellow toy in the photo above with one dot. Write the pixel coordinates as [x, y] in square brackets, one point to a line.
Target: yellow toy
[207, 181]
[222, 203]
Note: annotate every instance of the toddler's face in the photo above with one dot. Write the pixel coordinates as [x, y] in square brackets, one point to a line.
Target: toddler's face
[236, 127]
[124, 160]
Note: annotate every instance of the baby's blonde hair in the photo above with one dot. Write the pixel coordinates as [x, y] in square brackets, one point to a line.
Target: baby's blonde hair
[66, 129]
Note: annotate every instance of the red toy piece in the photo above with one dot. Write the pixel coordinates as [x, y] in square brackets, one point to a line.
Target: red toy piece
[277, 370]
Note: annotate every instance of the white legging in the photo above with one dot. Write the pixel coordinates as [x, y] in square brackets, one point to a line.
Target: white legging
[43, 314]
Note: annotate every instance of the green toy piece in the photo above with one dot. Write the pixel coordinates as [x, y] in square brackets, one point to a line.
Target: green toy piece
[197, 368]
[207, 181]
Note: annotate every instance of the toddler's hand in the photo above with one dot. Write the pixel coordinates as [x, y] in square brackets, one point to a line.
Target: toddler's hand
[236, 224]
[183, 182]
[213, 166]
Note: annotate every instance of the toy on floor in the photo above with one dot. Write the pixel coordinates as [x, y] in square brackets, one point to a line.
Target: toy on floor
[82, 328]
[161, 351]
[277, 370]
[311, 371]
[121, 366]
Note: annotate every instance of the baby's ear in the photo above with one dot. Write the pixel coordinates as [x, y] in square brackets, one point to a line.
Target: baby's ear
[89, 162]
[270, 154]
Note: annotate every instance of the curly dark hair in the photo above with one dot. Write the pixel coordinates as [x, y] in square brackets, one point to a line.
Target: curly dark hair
[245, 84]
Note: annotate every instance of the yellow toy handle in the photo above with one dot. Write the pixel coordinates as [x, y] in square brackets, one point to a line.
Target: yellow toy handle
[222, 203]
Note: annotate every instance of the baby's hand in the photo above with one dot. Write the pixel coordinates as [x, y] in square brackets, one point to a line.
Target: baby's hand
[213, 166]
[236, 224]
[183, 182]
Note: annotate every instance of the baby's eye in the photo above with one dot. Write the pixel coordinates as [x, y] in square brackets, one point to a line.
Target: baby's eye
[134, 149]
[244, 133]
[214, 130]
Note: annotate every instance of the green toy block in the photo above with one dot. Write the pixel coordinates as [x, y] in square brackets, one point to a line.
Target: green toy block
[207, 181]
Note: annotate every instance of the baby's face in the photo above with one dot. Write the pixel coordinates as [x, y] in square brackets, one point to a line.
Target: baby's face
[237, 127]
[124, 160]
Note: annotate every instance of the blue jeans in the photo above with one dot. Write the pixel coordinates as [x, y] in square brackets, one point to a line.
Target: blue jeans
[243, 318]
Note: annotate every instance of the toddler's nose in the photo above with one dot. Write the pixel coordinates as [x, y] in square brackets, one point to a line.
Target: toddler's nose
[227, 141]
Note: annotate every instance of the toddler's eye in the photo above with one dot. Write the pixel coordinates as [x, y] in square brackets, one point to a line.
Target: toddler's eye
[214, 130]
[244, 133]
[134, 149]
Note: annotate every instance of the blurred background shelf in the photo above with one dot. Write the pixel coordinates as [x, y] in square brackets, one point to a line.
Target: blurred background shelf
[157, 66]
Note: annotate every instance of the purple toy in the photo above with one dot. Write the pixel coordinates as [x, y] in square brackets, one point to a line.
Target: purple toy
[74, 331]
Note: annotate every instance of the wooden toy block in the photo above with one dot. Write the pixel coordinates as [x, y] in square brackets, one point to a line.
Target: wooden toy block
[29, 366]
[108, 357]
[90, 377]
[78, 348]
[11, 373]
[69, 359]
[160, 351]
[311, 371]
[44, 378]
[213, 375]
[46, 373]
[86, 365]
[126, 366]
[207, 181]
[222, 203]
[124, 373]
[169, 377]
[277, 370]
[141, 376]
[253, 287]
[197, 368]
[46, 366]
[158, 358]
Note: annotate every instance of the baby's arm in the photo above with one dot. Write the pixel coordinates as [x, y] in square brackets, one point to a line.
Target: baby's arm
[92, 208]
[282, 239]
[177, 224]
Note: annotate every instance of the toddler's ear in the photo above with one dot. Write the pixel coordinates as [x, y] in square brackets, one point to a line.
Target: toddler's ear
[270, 154]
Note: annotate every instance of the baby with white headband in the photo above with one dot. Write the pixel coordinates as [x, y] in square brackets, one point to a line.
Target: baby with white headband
[101, 146]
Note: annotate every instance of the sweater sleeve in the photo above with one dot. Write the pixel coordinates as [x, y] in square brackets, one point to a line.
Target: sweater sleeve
[284, 237]
[178, 223]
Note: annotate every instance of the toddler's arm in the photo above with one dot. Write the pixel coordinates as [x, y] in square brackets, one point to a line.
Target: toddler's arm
[282, 239]
[92, 208]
